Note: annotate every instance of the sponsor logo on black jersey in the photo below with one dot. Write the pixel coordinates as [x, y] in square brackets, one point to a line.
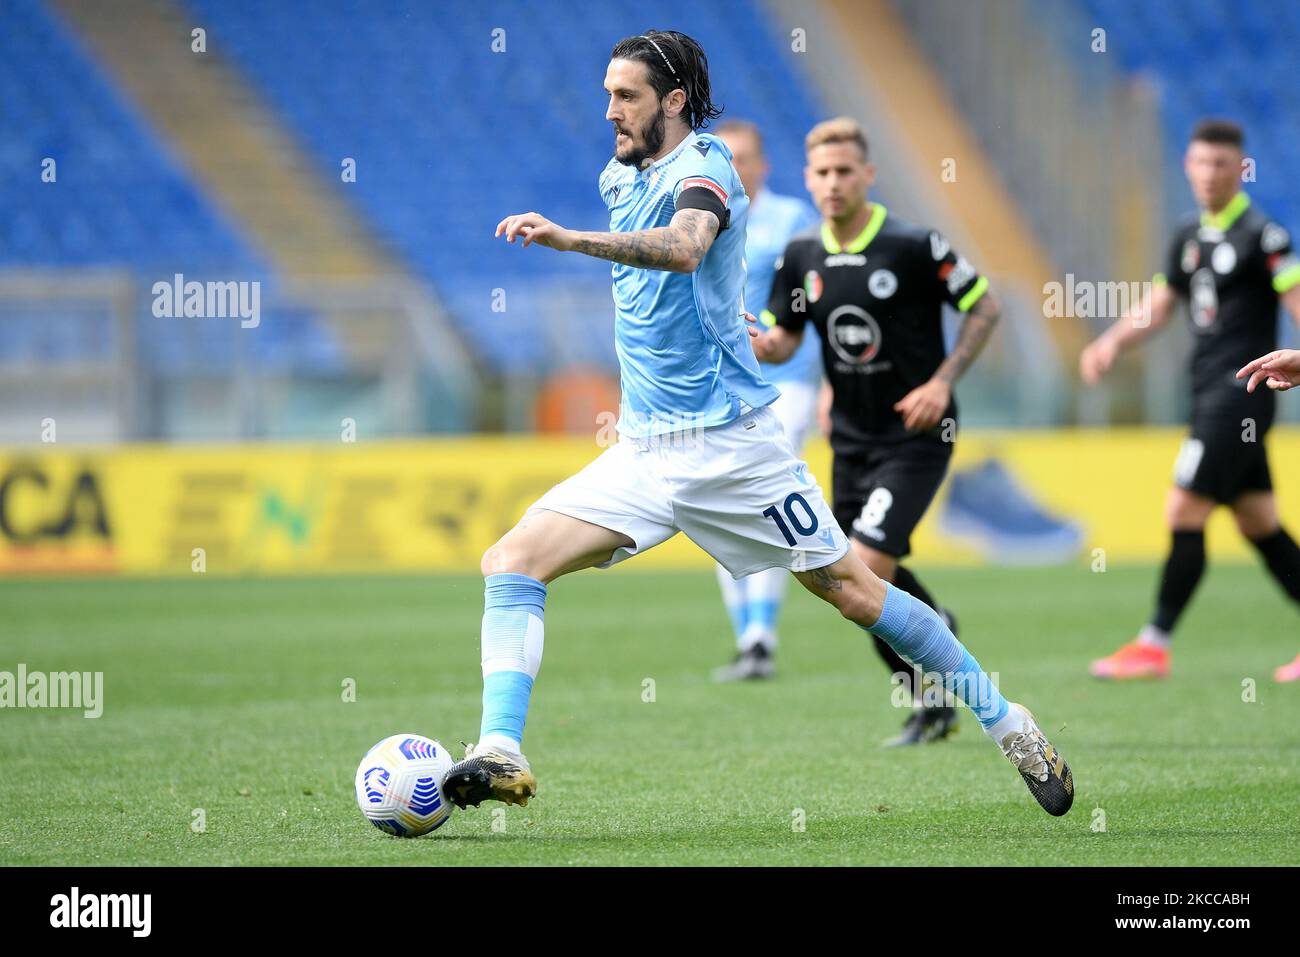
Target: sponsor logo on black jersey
[853, 334]
[958, 276]
[845, 259]
[882, 284]
[1277, 263]
[812, 285]
[1274, 238]
[1204, 298]
[1224, 258]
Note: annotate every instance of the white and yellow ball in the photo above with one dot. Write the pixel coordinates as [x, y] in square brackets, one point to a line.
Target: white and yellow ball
[399, 785]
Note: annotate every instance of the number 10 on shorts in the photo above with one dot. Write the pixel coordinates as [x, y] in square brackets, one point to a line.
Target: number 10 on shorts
[801, 525]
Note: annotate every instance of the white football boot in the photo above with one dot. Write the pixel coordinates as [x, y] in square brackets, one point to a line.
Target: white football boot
[1041, 766]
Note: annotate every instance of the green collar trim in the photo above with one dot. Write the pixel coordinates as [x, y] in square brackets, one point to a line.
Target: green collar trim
[863, 239]
[1224, 218]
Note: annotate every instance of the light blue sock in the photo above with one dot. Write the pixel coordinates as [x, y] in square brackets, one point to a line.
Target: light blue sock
[913, 630]
[764, 593]
[513, 611]
[762, 613]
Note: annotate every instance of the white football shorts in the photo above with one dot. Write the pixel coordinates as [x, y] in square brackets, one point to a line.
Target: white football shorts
[796, 407]
[736, 490]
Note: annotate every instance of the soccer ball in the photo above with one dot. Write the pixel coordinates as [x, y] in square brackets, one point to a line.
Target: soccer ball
[399, 785]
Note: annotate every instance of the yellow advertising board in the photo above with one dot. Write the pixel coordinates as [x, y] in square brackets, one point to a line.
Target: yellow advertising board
[437, 504]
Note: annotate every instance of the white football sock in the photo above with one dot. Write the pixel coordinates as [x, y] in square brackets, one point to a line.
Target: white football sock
[502, 741]
[1153, 636]
[1012, 721]
[734, 597]
[757, 635]
[764, 593]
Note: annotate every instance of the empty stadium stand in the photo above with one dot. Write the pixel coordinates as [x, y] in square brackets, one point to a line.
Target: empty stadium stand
[446, 135]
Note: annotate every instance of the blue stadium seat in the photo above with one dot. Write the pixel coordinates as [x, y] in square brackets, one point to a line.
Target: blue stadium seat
[119, 199]
[449, 136]
[1230, 59]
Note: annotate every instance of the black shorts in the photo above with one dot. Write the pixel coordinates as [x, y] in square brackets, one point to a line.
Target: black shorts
[1219, 461]
[881, 493]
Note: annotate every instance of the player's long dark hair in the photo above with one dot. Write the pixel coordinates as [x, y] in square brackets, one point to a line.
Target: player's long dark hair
[674, 61]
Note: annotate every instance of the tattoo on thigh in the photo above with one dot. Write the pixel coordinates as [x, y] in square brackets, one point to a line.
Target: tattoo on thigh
[825, 581]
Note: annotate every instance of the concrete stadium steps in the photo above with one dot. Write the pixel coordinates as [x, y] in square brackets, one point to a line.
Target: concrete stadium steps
[235, 147]
[867, 64]
[1080, 145]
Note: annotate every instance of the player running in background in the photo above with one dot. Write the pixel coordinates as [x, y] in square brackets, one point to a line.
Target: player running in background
[1279, 371]
[873, 288]
[1232, 264]
[754, 602]
[700, 452]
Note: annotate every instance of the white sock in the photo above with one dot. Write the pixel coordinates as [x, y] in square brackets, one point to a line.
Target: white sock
[502, 741]
[1153, 636]
[769, 585]
[1012, 721]
[756, 635]
[764, 593]
[734, 598]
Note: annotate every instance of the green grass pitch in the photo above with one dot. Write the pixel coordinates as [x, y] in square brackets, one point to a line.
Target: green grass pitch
[227, 696]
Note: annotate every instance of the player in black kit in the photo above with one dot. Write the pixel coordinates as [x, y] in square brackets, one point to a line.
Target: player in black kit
[1231, 265]
[874, 288]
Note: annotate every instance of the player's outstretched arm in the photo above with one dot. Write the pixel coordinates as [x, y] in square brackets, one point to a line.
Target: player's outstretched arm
[1278, 370]
[924, 406]
[1134, 326]
[678, 247]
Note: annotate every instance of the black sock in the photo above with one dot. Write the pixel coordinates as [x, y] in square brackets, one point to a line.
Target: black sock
[905, 580]
[1282, 557]
[895, 662]
[1183, 570]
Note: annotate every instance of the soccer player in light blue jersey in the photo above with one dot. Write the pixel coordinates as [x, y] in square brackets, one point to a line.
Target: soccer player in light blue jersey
[700, 452]
[754, 602]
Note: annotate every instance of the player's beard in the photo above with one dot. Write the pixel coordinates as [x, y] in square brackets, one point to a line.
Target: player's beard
[652, 137]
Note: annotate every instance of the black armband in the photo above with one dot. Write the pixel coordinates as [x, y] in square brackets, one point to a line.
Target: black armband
[701, 197]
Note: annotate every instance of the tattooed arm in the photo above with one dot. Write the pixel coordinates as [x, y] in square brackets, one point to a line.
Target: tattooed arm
[924, 406]
[975, 329]
[678, 247]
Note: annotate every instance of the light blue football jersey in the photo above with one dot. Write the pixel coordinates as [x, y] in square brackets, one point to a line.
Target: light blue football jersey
[683, 350]
[773, 219]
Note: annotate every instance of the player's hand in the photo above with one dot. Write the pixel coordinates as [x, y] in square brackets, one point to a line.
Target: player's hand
[1278, 370]
[764, 349]
[1097, 358]
[536, 228]
[924, 406]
